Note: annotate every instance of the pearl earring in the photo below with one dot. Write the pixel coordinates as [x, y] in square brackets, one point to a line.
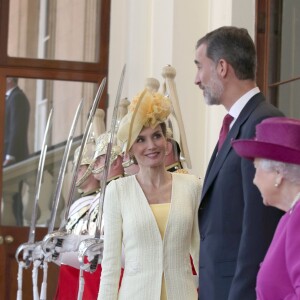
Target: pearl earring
[276, 184]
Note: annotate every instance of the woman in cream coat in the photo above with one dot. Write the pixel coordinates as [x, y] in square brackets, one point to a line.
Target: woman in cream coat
[153, 214]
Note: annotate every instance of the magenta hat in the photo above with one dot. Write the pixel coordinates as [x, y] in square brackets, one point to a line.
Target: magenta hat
[276, 138]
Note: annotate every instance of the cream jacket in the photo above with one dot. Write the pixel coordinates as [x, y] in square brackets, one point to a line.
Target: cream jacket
[129, 220]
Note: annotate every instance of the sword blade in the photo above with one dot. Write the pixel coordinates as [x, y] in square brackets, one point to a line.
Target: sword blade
[82, 145]
[91, 243]
[113, 129]
[39, 178]
[62, 169]
[61, 232]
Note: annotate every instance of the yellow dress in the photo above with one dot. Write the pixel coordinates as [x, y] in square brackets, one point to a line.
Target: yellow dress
[161, 213]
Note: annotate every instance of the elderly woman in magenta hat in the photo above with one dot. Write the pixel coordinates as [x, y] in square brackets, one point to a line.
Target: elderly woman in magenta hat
[153, 214]
[276, 155]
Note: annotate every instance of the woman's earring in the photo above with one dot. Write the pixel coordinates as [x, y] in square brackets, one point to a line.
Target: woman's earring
[277, 182]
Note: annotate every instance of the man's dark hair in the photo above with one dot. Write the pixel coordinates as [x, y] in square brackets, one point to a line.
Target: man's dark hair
[233, 45]
[15, 80]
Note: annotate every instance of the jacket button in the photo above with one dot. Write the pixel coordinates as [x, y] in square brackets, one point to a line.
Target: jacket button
[202, 237]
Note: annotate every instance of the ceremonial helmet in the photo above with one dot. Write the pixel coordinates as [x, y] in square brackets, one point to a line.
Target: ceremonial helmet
[101, 148]
[86, 159]
[127, 159]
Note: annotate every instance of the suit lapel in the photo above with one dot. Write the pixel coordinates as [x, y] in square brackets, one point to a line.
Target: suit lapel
[217, 161]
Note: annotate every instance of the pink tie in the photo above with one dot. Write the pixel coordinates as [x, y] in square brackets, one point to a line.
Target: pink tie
[224, 130]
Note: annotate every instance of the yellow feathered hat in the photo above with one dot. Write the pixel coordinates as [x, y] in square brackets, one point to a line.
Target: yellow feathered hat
[147, 109]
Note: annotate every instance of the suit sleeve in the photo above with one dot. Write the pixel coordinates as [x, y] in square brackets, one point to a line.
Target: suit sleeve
[259, 224]
[111, 263]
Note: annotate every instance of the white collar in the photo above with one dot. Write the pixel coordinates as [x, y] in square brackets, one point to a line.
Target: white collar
[238, 106]
[8, 92]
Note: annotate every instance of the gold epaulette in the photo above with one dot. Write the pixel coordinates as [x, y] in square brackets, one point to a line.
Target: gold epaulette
[182, 171]
[90, 193]
[174, 167]
[114, 178]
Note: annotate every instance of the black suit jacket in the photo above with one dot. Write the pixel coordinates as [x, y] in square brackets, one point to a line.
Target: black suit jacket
[16, 125]
[235, 226]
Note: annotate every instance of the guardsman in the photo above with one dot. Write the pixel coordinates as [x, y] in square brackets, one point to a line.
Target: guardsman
[88, 186]
[172, 160]
[116, 170]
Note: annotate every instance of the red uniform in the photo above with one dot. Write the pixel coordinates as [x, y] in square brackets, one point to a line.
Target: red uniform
[92, 283]
[67, 289]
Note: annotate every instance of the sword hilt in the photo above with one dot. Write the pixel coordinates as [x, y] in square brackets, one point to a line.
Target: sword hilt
[94, 263]
[59, 244]
[27, 249]
[87, 247]
[52, 241]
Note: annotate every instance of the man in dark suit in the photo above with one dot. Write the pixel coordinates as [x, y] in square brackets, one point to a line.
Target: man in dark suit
[235, 227]
[16, 123]
[15, 136]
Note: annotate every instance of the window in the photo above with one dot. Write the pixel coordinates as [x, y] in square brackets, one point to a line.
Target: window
[278, 45]
[58, 50]
[57, 30]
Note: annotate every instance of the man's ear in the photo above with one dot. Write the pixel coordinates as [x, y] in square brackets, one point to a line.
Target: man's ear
[114, 163]
[117, 162]
[223, 67]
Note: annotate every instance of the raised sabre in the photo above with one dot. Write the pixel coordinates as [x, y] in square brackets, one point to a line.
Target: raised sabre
[59, 234]
[94, 246]
[28, 247]
[39, 253]
[55, 238]
[62, 169]
[82, 145]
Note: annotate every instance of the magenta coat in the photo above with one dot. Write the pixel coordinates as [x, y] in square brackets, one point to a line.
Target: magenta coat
[279, 274]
